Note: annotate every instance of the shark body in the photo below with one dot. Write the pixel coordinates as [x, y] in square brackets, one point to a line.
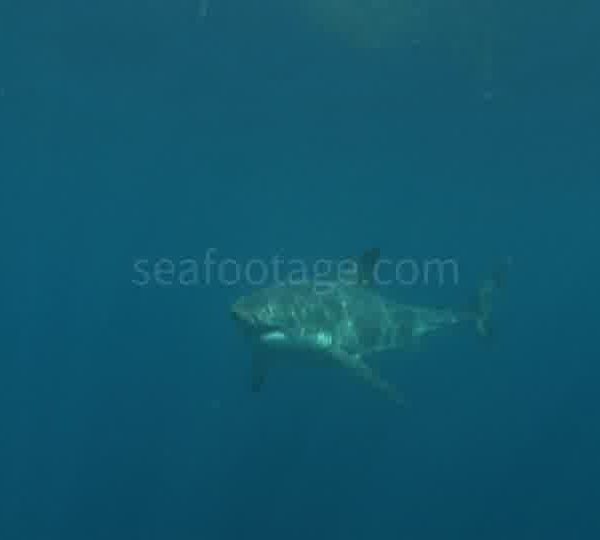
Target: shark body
[343, 326]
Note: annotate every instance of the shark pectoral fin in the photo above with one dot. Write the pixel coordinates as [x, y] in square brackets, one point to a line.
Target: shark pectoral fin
[259, 372]
[358, 367]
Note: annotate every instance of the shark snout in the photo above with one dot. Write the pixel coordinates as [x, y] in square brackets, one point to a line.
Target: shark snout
[236, 314]
[240, 315]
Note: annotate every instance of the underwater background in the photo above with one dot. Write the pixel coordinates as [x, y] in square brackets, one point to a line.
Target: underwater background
[155, 129]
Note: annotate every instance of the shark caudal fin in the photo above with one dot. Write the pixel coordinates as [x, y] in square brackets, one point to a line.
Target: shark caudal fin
[485, 295]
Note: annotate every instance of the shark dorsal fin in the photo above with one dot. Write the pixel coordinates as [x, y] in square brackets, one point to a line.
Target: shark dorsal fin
[366, 267]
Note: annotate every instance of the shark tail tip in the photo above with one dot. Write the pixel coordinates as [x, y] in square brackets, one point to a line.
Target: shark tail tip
[485, 296]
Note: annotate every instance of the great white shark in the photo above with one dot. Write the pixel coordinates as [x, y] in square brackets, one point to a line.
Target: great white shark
[345, 324]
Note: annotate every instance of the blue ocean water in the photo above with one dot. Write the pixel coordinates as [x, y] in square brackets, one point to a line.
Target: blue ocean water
[148, 130]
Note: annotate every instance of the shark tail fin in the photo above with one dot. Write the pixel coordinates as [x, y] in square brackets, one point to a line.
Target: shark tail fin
[485, 294]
